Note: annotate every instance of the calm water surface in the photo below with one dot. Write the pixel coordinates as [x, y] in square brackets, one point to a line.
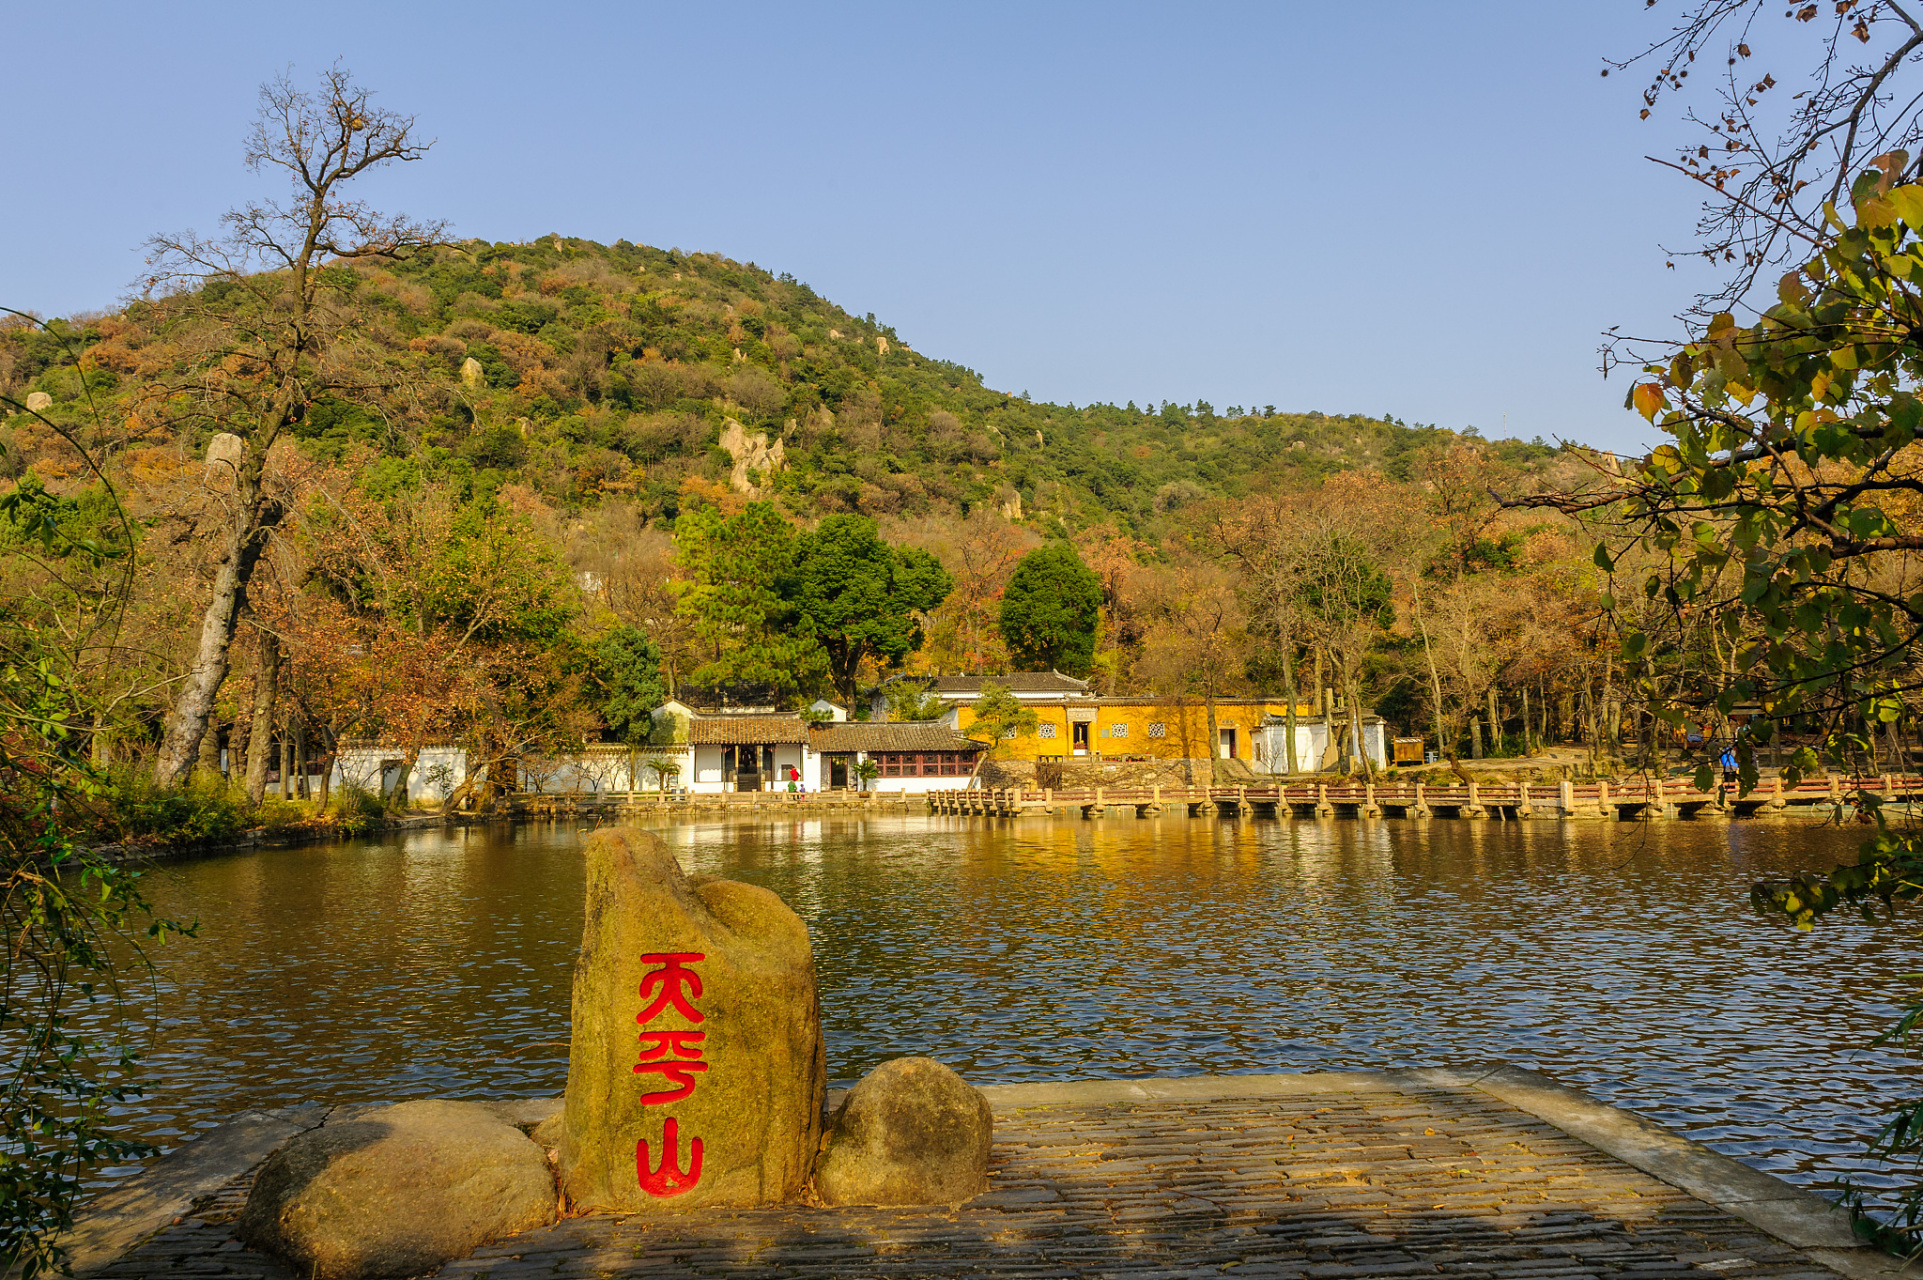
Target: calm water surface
[1618, 958]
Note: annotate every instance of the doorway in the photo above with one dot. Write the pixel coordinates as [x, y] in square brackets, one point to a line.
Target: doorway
[1080, 739]
[1228, 743]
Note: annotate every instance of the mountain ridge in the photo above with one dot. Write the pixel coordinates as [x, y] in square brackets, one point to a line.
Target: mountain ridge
[593, 371]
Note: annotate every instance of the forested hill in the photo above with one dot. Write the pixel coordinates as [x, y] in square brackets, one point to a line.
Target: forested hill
[614, 370]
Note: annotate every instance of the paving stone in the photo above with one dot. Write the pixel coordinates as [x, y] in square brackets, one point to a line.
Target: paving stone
[1297, 1186]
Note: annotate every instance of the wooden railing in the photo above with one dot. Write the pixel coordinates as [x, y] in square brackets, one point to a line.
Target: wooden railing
[1466, 799]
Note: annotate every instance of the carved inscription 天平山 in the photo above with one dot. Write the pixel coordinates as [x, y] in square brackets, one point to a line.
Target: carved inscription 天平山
[674, 1054]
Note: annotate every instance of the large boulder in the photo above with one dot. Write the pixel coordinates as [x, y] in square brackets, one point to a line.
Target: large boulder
[910, 1132]
[226, 451]
[695, 1075]
[397, 1191]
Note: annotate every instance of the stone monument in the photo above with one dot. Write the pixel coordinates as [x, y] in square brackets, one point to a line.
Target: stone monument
[695, 1072]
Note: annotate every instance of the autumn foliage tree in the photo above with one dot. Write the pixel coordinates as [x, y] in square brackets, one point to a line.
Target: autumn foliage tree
[1782, 519]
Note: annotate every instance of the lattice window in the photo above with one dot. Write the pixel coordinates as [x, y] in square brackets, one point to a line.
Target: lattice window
[1046, 731]
[1118, 731]
[1158, 730]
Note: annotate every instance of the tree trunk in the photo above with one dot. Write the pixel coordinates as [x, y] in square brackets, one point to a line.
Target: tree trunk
[286, 765]
[187, 722]
[1288, 683]
[409, 759]
[1495, 723]
[1444, 750]
[1215, 736]
[1327, 708]
[1589, 722]
[1355, 732]
[1528, 748]
[207, 752]
[1611, 714]
[973, 773]
[239, 749]
[266, 695]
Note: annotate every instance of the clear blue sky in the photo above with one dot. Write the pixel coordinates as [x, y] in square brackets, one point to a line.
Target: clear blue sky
[1423, 209]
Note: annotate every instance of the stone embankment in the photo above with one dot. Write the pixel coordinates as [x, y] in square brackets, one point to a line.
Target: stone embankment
[282, 838]
[1495, 1173]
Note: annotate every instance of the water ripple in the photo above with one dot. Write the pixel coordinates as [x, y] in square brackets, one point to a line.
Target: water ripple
[1620, 959]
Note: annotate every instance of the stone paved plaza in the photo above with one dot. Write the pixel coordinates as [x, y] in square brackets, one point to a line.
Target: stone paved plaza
[1365, 1174]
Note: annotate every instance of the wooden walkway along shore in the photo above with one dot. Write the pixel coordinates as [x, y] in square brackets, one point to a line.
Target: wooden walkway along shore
[1640, 799]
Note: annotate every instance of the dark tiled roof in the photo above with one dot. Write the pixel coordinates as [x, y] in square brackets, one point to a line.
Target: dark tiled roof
[911, 735]
[737, 731]
[1014, 681]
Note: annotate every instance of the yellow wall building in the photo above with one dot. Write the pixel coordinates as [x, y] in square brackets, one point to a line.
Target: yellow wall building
[1089, 729]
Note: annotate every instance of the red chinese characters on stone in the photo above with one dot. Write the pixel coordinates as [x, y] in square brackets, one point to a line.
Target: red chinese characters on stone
[675, 1056]
[668, 1179]
[677, 984]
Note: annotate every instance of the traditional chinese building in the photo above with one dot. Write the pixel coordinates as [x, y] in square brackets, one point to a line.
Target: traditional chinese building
[765, 751]
[1028, 686]
[1091, 729]
[913, 755]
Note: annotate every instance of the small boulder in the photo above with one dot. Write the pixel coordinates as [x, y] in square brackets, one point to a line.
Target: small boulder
[910, 1132]
[473, 376]
[226, 451]
[38, 402]
[397, 1191]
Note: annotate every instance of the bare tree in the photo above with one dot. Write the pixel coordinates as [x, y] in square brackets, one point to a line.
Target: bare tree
[1260, 534]
[1770, 154]
[260, 316]
[1197, 639]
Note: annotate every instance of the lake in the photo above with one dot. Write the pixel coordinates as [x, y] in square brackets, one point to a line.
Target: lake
[1619, 958]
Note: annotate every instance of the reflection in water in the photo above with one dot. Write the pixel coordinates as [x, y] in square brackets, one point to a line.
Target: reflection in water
[1619, 958]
